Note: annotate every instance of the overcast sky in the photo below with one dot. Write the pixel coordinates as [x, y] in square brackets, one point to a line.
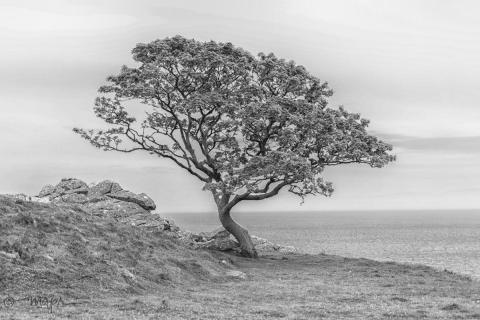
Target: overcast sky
[411, 67]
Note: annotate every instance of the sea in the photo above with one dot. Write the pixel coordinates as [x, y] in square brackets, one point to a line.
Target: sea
[443, 239]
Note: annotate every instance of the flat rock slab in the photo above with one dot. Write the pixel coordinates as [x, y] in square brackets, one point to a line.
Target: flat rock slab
[141, 199]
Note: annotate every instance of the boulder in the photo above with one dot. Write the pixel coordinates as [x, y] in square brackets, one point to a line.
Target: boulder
[264, 245]
[106, 197]
[68, 184]
[65, 186]
[103, 188]
[46, 191]
[141, 199]
[221, 240]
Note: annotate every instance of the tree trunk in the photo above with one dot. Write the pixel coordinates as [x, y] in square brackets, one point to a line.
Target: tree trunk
[241, 234]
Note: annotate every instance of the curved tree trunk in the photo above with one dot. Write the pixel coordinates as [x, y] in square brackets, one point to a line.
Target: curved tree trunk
[241, 234]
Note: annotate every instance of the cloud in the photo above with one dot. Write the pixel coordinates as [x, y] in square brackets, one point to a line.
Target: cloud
[464, 145]
[37, 22]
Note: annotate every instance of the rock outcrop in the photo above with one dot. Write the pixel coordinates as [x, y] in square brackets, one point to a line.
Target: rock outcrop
[106, 197]
[221, 240]
[109, 198]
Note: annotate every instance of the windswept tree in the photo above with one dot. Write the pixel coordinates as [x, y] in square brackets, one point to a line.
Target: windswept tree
[246, 126]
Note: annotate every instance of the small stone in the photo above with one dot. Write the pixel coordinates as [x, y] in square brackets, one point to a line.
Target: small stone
[127, 274]
[237, 274]
[46, 256]
[9, 255]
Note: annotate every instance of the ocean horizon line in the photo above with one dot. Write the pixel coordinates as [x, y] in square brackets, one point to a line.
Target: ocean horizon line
[332, 211]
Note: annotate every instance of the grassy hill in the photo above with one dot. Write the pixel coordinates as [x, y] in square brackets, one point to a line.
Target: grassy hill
[61, 261]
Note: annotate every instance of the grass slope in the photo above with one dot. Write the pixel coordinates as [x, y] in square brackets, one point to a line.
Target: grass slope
[104, 269]
[64, 247]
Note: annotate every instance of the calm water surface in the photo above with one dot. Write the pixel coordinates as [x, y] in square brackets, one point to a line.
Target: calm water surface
[442, 239]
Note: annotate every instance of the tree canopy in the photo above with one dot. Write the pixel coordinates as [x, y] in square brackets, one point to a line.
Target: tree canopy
[247, 126]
